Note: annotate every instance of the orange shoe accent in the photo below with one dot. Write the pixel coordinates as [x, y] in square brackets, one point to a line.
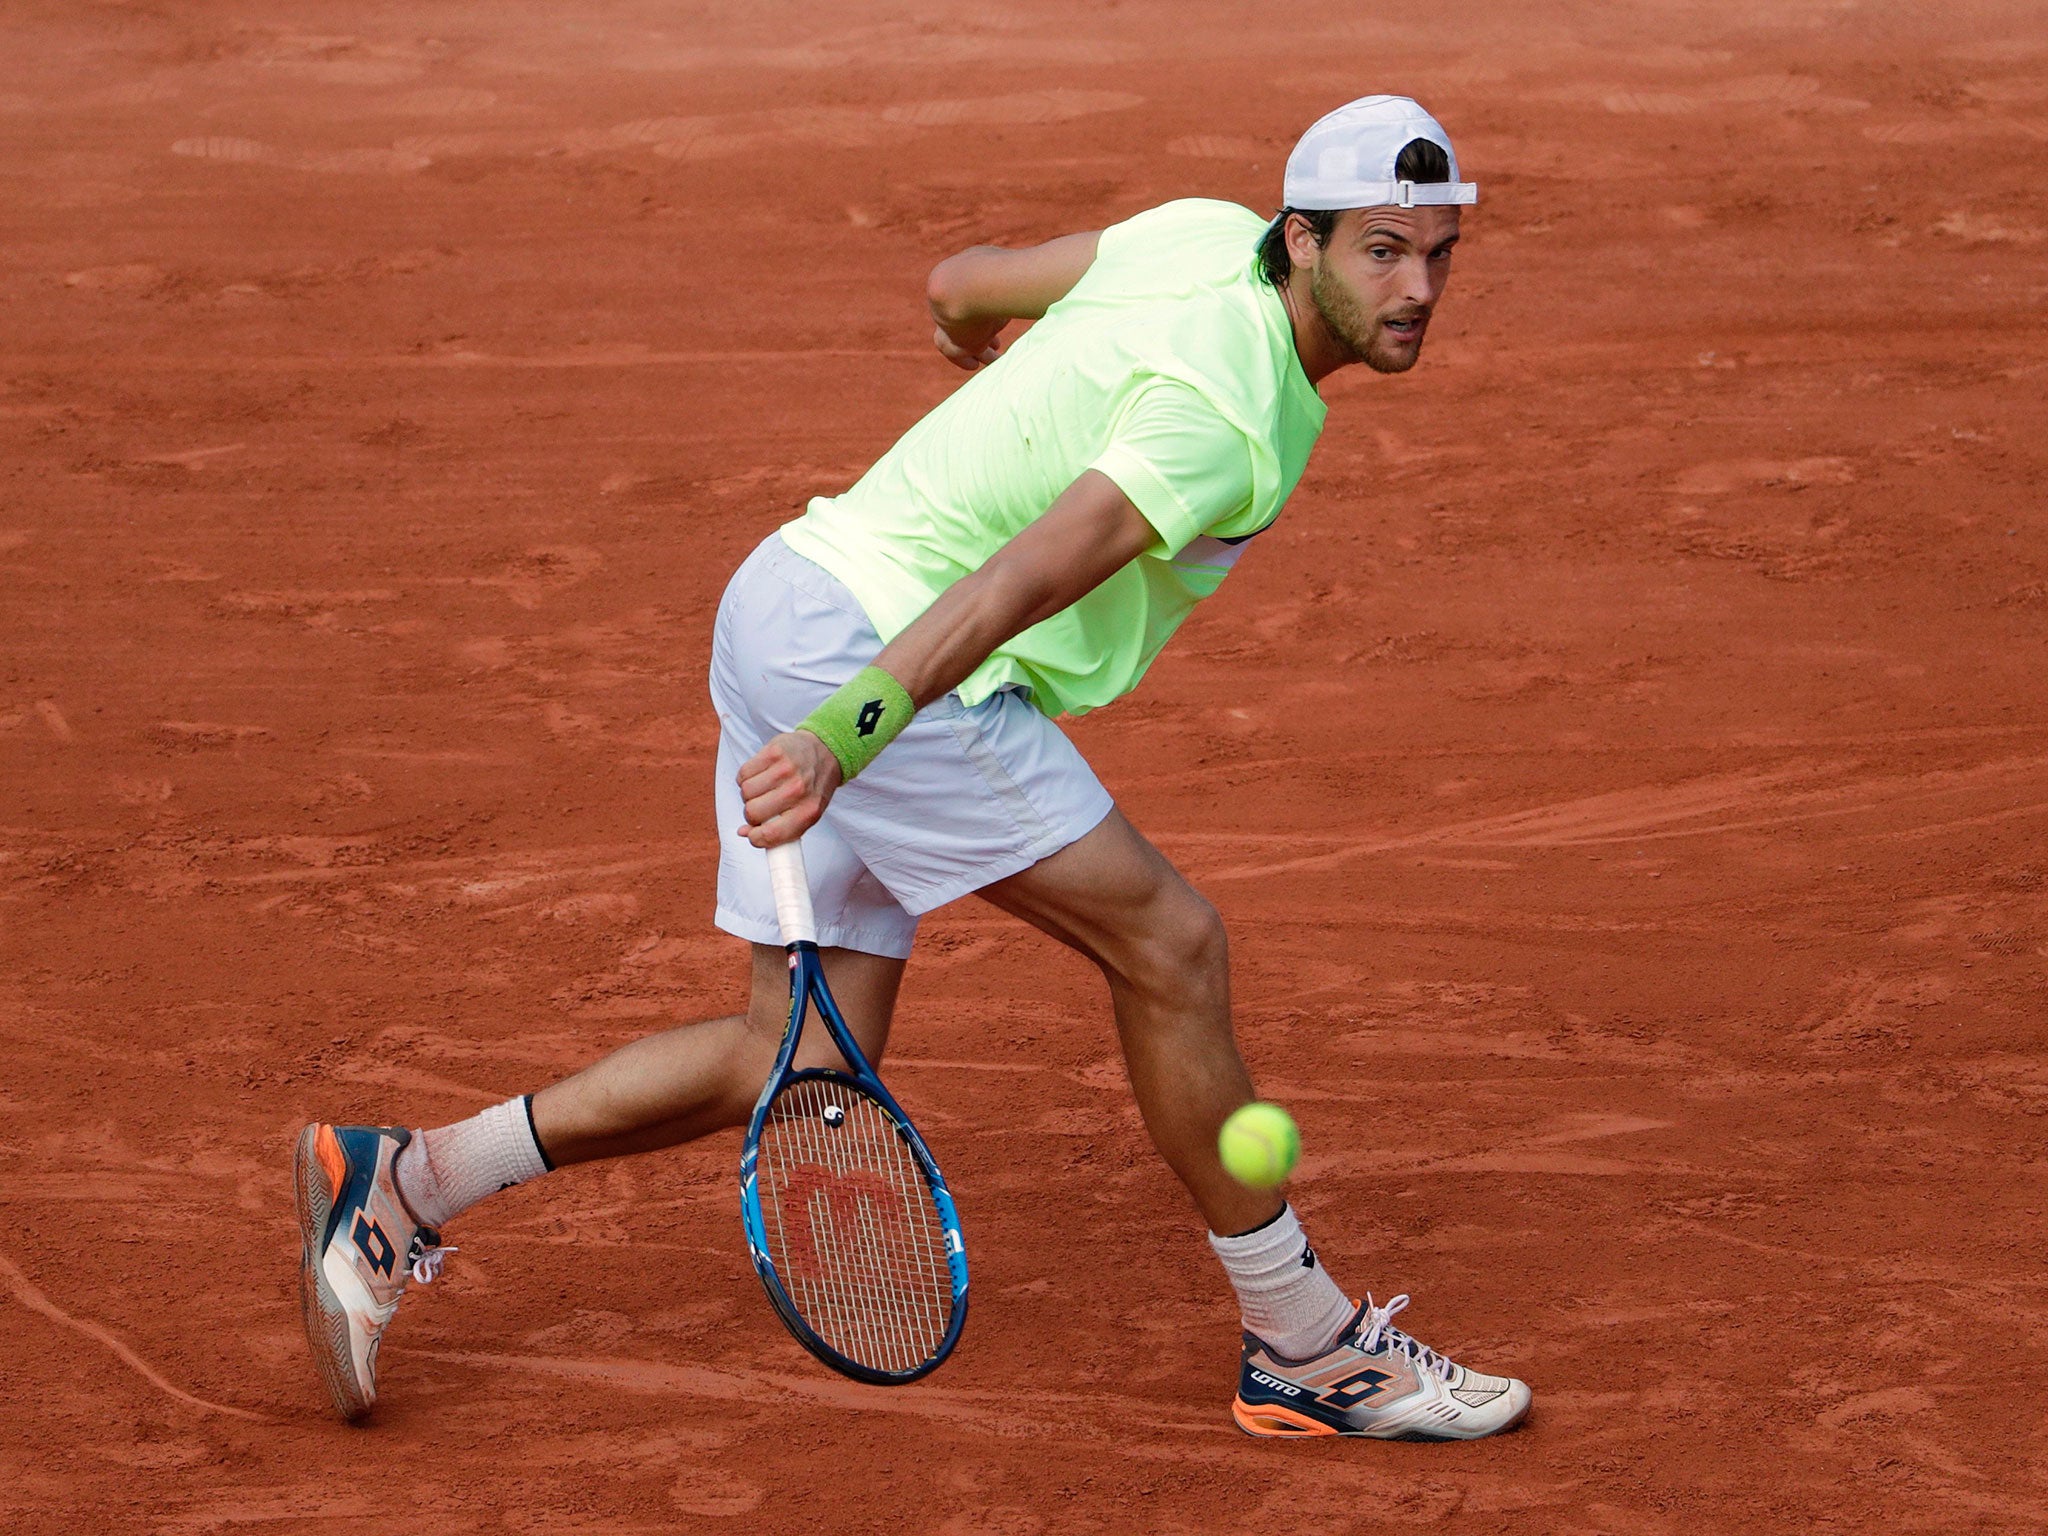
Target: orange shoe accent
[328, 1149]
[1272, 1419]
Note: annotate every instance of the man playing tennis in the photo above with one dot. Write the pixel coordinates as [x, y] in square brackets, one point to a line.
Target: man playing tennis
[886, 670]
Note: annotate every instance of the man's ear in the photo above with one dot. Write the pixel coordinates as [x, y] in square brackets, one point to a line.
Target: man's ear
[1302, 250]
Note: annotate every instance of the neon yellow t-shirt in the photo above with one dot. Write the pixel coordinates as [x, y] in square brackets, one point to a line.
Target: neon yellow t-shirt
[1171, 369]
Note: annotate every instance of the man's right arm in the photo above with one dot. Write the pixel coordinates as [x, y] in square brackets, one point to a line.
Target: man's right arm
[974, 294]
[1091, 531]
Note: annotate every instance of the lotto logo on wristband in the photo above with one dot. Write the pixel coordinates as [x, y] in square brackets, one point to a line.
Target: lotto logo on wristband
[861, 718]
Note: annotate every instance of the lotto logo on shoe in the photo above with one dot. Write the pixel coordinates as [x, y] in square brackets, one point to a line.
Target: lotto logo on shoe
[1275, 1384]
[371, 1242]
[1353, 1390]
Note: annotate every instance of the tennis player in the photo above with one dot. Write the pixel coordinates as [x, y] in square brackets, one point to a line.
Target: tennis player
[887, 669]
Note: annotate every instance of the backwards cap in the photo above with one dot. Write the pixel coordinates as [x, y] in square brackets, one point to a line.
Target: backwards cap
[1346, 159]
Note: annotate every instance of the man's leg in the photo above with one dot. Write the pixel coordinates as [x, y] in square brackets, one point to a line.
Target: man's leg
[658, 1091]
[1161, 947]
[371, 1200]
[685, 1083]
[1315, 1363]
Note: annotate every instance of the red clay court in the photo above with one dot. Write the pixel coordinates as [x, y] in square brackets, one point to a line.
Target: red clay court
[1624, 769]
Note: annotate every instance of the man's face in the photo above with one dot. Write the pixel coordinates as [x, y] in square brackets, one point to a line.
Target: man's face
[1378, 279]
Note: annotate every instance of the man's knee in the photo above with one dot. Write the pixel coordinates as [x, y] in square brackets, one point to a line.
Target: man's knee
[863, 985]
[1179, 943]
[768, 994]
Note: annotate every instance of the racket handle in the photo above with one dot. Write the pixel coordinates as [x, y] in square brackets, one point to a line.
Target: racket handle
[792, 893]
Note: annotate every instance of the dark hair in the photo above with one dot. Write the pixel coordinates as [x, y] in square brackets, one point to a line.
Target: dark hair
[1419, 160]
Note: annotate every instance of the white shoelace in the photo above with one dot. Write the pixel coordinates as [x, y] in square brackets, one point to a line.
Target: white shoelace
[426, 1264]
[1379, 1327]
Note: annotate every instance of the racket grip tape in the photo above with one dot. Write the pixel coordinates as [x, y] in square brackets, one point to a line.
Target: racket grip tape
[792, 889]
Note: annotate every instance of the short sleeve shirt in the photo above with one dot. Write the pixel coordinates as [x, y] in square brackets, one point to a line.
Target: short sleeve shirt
[1171, 369]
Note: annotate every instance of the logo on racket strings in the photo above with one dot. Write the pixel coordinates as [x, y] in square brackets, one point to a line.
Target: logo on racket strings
[828, 1212]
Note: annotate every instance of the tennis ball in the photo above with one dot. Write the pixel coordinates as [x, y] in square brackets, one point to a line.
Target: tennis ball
[1259, 1145]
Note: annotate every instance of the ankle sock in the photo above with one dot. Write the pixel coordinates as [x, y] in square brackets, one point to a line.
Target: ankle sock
[1288, 1299]
[442, 1173]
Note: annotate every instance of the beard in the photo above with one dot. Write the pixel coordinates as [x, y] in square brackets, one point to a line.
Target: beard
[1357, 330]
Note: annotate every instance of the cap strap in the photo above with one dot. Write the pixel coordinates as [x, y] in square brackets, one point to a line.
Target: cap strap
[1387, 194]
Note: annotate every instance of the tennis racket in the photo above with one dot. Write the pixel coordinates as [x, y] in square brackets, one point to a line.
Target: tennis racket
[848, 1219]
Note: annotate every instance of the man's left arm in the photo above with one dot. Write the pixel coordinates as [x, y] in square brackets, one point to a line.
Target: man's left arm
[974, 294]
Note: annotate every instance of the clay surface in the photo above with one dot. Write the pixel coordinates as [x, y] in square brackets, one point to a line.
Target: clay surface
[1624, 769]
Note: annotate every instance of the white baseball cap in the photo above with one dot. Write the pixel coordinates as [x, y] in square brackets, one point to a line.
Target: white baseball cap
[1346, 159]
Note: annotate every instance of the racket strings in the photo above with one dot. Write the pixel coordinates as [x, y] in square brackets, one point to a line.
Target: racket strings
[853, 1231]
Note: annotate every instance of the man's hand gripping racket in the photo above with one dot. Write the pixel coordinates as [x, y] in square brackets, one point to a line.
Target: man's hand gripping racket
[848, 1218]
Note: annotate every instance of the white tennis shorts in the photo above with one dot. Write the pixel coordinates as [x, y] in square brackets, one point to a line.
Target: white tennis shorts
[964, 797]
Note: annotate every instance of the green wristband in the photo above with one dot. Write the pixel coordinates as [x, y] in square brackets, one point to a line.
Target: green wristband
[861, 719]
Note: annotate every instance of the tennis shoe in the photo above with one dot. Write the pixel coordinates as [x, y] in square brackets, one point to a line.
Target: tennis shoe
[1374, 1381]
[361, 1247]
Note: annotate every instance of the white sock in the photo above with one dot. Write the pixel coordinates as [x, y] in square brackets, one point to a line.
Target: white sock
[442, 1173]
[1288, 1299]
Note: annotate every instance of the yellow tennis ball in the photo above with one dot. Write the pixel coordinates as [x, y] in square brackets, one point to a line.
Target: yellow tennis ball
[1259, 1145]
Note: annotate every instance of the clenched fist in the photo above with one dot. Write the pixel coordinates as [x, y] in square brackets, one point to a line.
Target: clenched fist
[969, 344]
[786, 786]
